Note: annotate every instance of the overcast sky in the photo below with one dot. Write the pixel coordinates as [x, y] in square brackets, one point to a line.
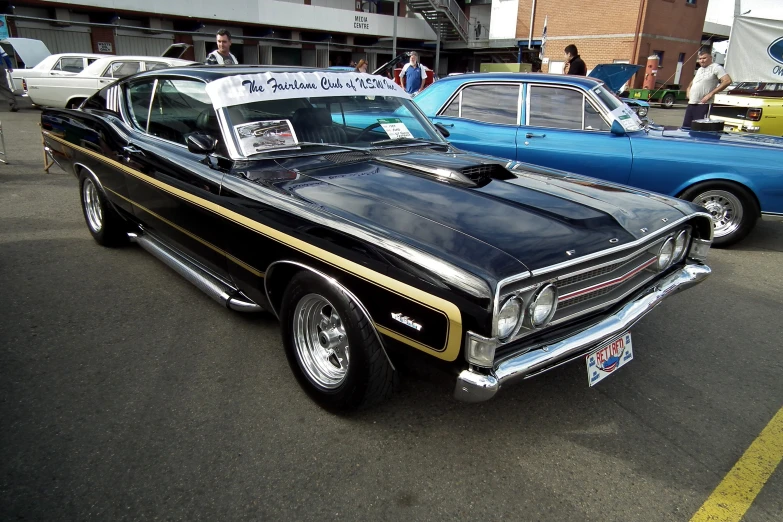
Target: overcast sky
[722, 11]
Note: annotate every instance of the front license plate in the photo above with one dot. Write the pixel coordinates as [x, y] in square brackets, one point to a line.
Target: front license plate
[607, 359]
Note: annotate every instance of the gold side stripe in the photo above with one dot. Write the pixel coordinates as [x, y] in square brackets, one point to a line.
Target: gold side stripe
[191, 235]
[440, 305]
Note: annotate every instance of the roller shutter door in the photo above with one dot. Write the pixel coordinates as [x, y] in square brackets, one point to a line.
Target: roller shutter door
[142, 45]
[59, 40]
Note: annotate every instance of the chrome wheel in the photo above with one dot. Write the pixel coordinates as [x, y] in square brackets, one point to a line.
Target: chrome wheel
[320, 341]
[725, 209]
[92, 205]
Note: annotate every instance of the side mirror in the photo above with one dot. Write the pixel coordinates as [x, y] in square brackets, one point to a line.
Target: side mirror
[201, 143]
[442, 130]
[617, 129]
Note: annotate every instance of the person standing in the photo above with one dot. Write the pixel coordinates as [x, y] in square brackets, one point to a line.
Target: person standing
[6, 68]
[413, 75]
[709, 80]
[222, 55]
[361, 66]
[574, 63]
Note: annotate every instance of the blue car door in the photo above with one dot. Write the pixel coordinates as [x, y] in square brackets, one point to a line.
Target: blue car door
[566, 130]
[484, 118]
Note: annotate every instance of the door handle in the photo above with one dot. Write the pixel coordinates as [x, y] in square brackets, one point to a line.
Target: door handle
[531, 135]
[130, 149]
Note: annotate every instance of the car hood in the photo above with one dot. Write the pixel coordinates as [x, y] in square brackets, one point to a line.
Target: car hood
[536, 217]
[747, 140]
[29, 50]
[614, 75]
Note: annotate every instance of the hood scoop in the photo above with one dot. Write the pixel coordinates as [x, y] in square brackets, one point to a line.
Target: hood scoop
[471, 175]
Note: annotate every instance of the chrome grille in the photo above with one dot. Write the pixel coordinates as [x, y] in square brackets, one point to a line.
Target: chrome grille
[585, 297]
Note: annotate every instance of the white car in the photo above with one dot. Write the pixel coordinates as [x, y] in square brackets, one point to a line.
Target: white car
[70, 91]
[66, 64]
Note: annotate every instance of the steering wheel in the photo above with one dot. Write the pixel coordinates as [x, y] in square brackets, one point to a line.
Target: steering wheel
[366, 130]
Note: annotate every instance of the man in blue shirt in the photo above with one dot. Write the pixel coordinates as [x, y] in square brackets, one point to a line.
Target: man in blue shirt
[6, 68]
[413, 75]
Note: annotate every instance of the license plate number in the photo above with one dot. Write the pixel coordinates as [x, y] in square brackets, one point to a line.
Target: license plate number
[608, 359]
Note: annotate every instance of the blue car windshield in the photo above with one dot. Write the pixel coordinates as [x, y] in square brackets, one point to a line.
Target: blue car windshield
[615, 106]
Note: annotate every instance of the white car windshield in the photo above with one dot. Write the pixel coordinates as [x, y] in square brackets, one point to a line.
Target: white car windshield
[356, 121]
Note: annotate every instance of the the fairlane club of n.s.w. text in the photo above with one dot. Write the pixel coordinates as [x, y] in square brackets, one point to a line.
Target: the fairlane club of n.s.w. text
[299, 259]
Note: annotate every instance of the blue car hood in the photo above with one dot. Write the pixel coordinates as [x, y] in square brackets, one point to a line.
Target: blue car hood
[614, 75]
[728, 138]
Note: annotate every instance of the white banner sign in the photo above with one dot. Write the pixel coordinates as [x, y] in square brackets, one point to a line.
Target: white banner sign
[755, 50]
[249, 88]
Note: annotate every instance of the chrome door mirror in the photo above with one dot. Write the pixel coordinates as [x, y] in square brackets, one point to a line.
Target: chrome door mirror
[199, 143]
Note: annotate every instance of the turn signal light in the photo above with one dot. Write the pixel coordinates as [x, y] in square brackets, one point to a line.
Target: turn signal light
[754, 114]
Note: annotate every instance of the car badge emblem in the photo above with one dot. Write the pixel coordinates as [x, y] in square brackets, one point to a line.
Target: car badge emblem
[614, 240]
[644, 230]
[570, 252]
[665, 220]
[407, 321]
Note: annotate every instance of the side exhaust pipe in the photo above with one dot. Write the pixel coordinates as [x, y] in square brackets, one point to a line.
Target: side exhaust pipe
[213, 287]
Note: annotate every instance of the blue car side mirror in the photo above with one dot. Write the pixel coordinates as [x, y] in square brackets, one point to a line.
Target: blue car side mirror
[617, 129]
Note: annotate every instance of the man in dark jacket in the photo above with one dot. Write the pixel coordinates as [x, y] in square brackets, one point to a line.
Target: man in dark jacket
[574, 64]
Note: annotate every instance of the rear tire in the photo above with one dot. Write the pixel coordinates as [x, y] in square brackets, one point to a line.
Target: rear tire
[331, 346]
[668, 100]
[103, 222]
[733, 208]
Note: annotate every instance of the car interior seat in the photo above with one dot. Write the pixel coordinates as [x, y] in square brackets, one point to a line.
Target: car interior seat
[207, 123]
[316, 125]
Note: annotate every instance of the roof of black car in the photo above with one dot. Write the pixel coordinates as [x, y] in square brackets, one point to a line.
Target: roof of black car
[213, 72]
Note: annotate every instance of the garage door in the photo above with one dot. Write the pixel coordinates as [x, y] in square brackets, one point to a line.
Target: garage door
[59, 40]
[142, 45]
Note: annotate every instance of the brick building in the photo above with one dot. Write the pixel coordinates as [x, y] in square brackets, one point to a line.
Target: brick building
[607, 31]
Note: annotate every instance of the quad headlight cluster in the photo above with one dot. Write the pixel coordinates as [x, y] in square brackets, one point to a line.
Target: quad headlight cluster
[673, 249]
[541, 307]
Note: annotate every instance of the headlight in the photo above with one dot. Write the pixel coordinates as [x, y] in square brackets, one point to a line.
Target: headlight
[508, 317]
[543, 306]
[681, 244]
[642, 111]
[665, 254]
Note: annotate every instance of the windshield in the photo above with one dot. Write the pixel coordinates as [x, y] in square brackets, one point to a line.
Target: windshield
[358, 121]
[619, 109]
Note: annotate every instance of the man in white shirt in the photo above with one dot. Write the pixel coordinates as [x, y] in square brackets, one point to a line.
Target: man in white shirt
[222, 55]
[708, 81]
[414, 75]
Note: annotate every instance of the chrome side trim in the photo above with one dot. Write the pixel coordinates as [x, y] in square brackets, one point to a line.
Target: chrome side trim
[332, 281]
[218, 290]
[473, 386]
[609, 251]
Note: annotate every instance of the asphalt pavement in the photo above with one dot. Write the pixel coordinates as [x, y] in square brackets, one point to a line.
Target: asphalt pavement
[126, 394]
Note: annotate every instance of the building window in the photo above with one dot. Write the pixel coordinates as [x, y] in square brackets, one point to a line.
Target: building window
[681, 59]
[660, 57]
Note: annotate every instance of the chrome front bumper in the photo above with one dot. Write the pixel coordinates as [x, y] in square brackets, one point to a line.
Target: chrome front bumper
[473, 386]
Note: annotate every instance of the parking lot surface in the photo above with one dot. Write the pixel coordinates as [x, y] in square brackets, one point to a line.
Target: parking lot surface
[128, 394]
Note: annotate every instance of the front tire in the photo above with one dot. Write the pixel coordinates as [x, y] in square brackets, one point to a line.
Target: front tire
[331, 346]
[733, 209]
[103, 222]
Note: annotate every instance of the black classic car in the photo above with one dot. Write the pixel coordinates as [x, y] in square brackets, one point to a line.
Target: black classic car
[328, 199]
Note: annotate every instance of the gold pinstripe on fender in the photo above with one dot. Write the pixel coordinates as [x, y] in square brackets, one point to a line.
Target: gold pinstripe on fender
[449, 310]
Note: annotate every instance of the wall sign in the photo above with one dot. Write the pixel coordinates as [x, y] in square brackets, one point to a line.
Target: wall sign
[361, 22]
[105, 47]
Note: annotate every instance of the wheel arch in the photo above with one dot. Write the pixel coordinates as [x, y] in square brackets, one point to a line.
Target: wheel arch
[731, 179]
[279, 273]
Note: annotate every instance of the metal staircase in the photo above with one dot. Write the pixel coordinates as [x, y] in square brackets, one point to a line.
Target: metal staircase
[444, 16]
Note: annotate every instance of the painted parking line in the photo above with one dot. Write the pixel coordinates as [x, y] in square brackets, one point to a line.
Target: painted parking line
[736, 492]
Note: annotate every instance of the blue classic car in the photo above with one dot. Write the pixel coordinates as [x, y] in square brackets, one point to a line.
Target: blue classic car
[576, 124]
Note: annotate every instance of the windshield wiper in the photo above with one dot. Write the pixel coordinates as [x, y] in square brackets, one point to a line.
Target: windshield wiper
[293, 147]
[408, 140]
